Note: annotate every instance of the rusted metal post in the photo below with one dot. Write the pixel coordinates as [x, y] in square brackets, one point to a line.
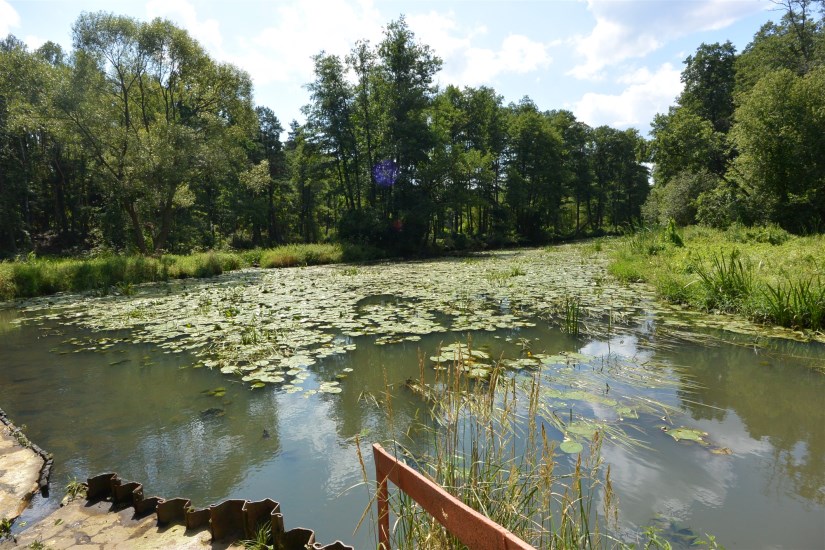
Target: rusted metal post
[473, 529]
[383, 499]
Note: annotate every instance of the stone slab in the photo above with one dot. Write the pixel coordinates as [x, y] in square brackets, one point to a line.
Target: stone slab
[19, 473]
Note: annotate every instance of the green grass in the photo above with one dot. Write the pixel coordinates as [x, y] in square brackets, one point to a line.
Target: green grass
[304, 254]
[762, 273]
[114, 273]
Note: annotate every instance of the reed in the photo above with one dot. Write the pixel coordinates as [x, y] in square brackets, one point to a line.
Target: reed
[487, 444]
[727, 282]
[796, 304]
[34, 276]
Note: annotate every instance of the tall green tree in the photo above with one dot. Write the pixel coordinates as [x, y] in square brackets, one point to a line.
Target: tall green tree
[709, 77]
[156, 114]
[779, 133]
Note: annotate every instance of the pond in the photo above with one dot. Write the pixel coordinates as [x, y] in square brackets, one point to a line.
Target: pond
[259, 383]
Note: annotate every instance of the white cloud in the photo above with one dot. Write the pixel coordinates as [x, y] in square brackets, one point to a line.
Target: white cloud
[439, 31]
[207, 32]
[283, 52]
[645, 95]
[517, 54]
[466, 64]
[9, 19]
[633, 29]
[33, 42]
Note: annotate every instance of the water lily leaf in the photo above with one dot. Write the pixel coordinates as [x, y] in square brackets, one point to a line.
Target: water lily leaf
[582, 428]
[627, 412]
[257, 385]
[478, 372]
[570, 447]
[689, 434]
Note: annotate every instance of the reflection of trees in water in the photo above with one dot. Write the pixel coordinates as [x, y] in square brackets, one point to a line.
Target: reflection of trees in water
[137, 413]
[777, 396]
[374, 367]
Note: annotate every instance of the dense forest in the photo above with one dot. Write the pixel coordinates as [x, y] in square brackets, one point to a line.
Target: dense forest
[745, 141]
[137, 140]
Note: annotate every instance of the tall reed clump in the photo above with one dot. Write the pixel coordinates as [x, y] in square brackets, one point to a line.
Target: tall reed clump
[301, 254]
[727, 282]
[572, 312]
[488, 446]
[796, 304]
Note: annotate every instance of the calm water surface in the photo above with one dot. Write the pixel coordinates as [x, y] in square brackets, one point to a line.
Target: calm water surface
[146, 414]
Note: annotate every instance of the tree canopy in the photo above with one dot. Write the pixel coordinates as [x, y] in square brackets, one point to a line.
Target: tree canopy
[744, 141]
[138, 140]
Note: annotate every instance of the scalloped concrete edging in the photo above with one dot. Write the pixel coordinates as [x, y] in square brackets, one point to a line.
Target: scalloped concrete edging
[115, 513]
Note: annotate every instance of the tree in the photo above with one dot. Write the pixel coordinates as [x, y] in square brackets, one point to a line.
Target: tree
[685, 141]
[156, 114]
[535, 183]
[709, 77]
[778, 132]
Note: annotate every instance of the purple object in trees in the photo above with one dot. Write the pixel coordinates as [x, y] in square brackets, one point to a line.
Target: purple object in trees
[385, 172]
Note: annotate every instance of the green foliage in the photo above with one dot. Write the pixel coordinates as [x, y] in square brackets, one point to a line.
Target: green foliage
[678, 200]
[262, 540]
[779, 135]
[43, 276]
[671, 236]
[796, 304]
[140, 142]
[771, 234]
[472, 431]
[726, 282]
[298, 255]
[626, 270]
[763, 273]
[572, 312]
[75, 489]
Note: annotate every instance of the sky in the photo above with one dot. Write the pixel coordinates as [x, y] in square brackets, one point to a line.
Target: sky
[614, 62]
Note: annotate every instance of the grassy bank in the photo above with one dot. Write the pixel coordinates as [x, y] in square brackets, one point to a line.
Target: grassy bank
[44, 276]
[763, 273]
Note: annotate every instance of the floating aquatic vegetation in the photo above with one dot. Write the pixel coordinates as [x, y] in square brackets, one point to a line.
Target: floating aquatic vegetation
[687, 434]
[570, 446]
[256, 324]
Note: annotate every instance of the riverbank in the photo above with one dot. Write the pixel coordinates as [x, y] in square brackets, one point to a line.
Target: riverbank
[116, 274]
[21, 467]
[109, 511]
[764, 274]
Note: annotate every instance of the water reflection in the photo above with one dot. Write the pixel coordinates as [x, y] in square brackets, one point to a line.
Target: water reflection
[777, 397]
[146, 414]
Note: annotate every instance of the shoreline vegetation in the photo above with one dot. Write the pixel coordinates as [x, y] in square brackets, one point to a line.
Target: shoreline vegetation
[33, 277]
[762, 273]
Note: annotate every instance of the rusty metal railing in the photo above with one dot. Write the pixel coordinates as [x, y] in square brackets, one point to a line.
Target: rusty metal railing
[473, 529]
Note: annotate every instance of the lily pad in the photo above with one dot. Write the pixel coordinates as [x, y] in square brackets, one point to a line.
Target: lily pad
[570, 447]
[689, 434]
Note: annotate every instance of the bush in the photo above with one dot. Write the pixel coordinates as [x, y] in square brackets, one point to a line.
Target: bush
[770, 234]
[301, 254]
[678, 199]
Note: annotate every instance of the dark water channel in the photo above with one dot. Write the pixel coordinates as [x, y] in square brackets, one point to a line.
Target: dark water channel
[147, 414]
